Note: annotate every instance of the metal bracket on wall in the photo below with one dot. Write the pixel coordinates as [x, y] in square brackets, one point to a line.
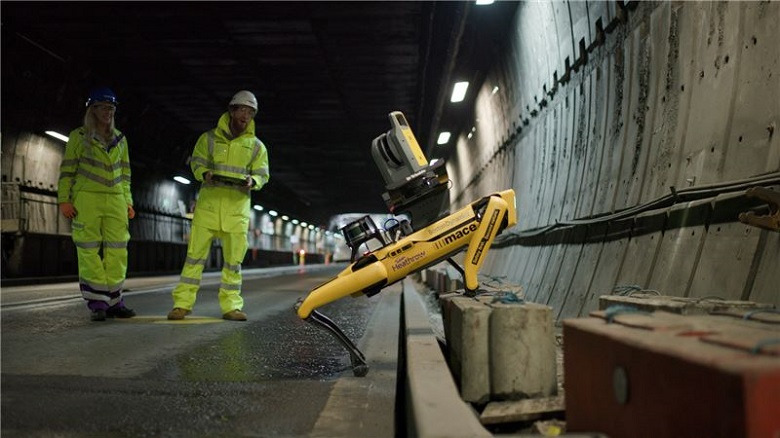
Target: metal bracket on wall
[769, 222]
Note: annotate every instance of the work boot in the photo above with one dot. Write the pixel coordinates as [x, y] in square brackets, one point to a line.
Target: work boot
[235, 315]
[98, 315]
[120, 312]
[178, 313]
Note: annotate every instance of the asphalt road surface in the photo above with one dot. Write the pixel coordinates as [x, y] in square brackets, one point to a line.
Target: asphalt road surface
[66, 376]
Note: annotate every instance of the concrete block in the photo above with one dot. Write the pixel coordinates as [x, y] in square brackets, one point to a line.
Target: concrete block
[453, 284]
[466, 328]
[431, 394]
[443, 284]
[679, 305]
[522, 351]
[521, 410]
[433, 278]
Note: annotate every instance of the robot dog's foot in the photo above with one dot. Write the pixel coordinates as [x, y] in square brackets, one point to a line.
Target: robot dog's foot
[359, 365]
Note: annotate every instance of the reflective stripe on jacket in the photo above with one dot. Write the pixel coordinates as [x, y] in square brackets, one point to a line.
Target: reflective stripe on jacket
[89, 166]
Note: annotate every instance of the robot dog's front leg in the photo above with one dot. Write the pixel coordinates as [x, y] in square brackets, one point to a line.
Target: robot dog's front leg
[358, 360]
[358, 277]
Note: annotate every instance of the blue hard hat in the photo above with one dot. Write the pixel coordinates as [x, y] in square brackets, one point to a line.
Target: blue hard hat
[102, 94]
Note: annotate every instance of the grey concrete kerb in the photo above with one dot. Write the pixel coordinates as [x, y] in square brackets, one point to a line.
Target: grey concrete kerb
[434, 406]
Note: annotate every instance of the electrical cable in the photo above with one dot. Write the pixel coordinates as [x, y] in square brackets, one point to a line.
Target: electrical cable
[675, 197]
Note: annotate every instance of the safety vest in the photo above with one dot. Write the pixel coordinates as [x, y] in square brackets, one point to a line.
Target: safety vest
[89, 166]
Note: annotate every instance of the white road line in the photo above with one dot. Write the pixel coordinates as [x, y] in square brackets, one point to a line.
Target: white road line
[209, 279]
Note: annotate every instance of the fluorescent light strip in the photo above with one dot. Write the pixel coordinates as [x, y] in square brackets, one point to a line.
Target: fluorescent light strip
[444, 137]
[57, 135]
[181, 180]
[459, 91]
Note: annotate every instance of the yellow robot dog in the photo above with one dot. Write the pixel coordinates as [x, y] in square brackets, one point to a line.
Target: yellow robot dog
[417, 189]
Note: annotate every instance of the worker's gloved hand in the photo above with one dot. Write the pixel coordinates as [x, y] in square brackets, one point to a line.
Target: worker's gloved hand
[68, 210]
[130, 212]
[250, 182]
[207, 177]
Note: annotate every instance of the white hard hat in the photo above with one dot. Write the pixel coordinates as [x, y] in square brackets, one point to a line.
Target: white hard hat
[244, 97]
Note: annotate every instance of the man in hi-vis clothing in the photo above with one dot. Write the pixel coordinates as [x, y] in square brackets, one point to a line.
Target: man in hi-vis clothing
[94, 191]
[229, 161]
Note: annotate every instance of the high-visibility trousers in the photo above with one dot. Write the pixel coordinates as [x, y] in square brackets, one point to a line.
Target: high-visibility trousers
[234, 246]
[101, 223]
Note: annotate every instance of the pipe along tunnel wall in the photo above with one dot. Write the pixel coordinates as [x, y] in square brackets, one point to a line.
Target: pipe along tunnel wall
[603, 107]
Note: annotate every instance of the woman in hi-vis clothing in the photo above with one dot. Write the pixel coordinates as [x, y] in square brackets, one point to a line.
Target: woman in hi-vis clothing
[94, 192]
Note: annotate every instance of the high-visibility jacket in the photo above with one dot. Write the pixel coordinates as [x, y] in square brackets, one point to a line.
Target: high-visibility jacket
[222, 206]
[91, 167]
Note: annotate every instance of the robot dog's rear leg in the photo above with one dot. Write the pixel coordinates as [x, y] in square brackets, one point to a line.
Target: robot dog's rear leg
[359, 365]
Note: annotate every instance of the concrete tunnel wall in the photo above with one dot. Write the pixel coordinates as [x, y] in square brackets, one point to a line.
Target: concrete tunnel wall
[603, 106]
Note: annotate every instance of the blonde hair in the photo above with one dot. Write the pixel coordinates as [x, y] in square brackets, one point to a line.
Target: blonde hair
[91, 124]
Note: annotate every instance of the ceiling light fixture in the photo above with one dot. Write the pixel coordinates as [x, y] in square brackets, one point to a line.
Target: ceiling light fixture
[181, 180]
[258, 207]
[459, 91]
[484, 2]
[273, 213]
[58, 136]
[444, 137]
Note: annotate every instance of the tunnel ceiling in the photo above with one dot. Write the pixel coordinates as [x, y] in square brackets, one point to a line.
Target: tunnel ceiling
[325, 74]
